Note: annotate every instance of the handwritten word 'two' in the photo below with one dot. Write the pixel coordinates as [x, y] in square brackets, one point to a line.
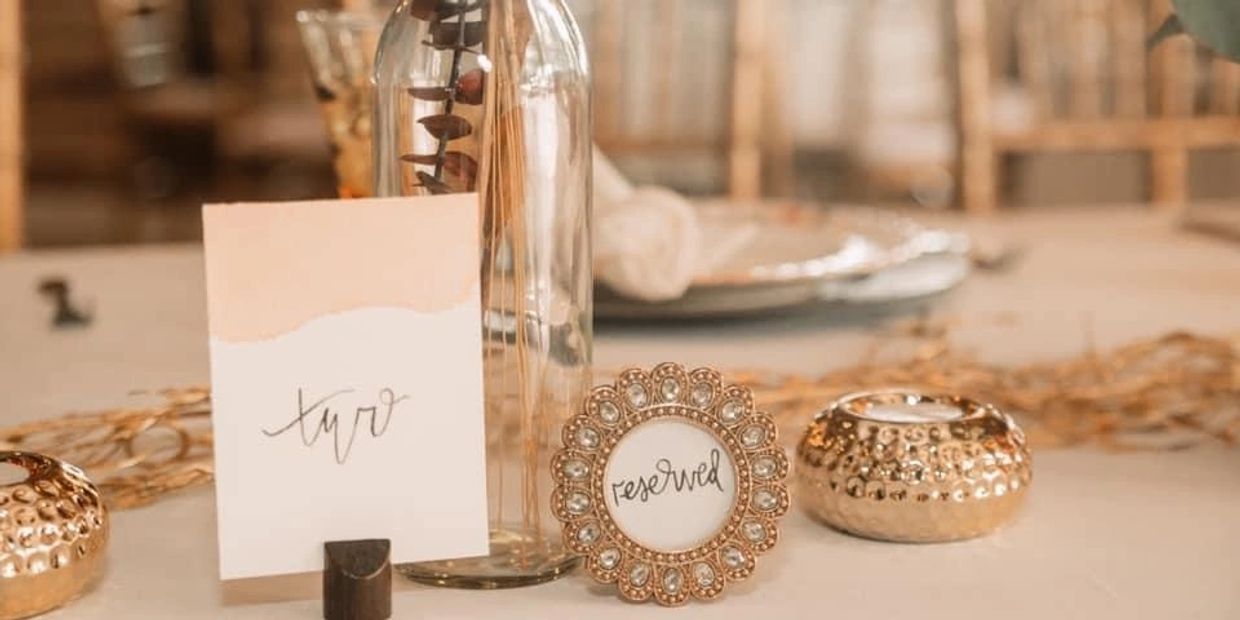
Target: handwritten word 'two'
[316, 418]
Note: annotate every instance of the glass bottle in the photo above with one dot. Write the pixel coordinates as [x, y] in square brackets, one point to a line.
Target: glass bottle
[493, 96]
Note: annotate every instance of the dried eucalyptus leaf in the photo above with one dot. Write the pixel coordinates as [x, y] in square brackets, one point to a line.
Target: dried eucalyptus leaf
[425, 160]
[469, 87]
[446, 126]
[435, 186]
[462, 166]
[429, 93]
[448, 35]
[433, 10]
[449, 9]
[455, 164]
[1213, 23]
[425, 9]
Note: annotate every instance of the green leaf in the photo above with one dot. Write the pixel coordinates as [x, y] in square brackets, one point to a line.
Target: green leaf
[1169, 28]
[1213, 23]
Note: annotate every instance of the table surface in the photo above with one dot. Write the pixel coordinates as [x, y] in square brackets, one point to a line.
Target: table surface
[1137, 535]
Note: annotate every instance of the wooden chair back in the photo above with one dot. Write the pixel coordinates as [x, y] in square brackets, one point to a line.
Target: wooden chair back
[1075, 75]
[12, 220]
[654, 94]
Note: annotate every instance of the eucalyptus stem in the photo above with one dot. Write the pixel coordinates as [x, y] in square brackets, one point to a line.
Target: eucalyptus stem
[463, 87]
[458, 51]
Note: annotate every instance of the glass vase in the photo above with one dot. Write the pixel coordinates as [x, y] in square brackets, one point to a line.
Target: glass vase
[493, 96]
[340, 47]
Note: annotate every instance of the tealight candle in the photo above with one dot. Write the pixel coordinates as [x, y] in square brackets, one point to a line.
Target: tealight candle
[906, 466]
[915, 413]
[62, 525]
[11, 474]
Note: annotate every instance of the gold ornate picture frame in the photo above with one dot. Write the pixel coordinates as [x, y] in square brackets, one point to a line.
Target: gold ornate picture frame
[670, 484]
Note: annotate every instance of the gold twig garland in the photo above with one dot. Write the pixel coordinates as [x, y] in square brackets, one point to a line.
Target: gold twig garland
[1167, 393]
[134, 455]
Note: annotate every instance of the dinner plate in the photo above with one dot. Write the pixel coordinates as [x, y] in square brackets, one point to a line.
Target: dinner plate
[799, 254]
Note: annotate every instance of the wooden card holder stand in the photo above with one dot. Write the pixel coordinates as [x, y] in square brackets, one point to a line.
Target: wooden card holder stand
[357, 580]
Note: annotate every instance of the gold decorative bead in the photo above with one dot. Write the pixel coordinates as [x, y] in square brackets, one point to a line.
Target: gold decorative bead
[53, 534]
[912, 480]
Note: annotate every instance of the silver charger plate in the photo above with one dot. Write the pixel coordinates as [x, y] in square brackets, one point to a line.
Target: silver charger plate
[922, 277]
[800, 254]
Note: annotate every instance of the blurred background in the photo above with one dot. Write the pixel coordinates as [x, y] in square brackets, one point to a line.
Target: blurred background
[119, 118]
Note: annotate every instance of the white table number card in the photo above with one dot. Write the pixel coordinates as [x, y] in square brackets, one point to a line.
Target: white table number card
[346, 370]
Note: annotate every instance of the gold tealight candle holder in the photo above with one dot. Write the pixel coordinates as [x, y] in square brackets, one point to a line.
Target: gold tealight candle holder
[902, 466]
[53, 534]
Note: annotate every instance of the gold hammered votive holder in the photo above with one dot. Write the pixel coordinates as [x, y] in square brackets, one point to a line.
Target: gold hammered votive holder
[53, 534]
[902, 466]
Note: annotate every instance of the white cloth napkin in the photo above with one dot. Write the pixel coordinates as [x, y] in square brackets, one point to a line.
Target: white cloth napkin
[649, 242]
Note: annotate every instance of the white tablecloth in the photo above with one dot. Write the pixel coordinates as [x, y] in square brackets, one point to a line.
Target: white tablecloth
[1103, 536]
